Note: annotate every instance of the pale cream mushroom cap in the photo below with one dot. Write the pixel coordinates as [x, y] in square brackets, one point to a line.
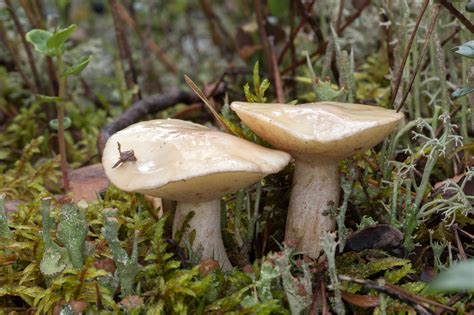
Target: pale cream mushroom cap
[184, 161]
[326, 129]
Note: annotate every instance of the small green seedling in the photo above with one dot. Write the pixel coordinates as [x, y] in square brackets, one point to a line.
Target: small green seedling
[259, 87]
[53, 44]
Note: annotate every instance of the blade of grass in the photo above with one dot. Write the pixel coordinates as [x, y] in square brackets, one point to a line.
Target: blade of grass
[206, 102]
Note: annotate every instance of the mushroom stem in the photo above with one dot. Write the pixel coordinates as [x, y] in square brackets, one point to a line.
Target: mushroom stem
[206, 223]
[315, 190]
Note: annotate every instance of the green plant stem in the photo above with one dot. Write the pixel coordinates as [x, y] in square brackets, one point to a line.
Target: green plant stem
[253, 218]
[441, 72]
[60, 110]
[464, 100]
[238, 217]
[395, 138]
[430, 163]
[393, 212]
[416, 87]
[413, 211]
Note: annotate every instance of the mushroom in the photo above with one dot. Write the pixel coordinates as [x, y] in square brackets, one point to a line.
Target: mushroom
[318, 136]
[192, 164]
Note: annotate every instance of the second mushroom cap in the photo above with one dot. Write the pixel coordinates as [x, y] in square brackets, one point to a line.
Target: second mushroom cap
[328, 129]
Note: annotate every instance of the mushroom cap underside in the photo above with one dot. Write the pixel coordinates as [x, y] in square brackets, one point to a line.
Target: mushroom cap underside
[184, 161]
[324, 129]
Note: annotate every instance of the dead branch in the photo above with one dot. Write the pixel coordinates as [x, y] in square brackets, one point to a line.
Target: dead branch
[353, 17]
[449, 6]
[260, 16]
[276, 72]
[140, 109]
[143, 107]
[312, 22]
[294, 31]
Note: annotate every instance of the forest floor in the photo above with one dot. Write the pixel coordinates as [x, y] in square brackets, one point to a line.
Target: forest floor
[73, 73]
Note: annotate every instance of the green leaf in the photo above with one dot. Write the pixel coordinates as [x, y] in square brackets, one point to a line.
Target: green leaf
[470, 6]
[48, 99]
[262, 89]
[53, 123]
[462, 91]
[459, 277]
[77, 68]
[39, 39]
[248, 95]
[466, 49]
[57, 40]
[278, 7]
[256, 76]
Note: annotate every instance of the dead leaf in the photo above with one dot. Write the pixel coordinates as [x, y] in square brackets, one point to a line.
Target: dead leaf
[456, 179]
[360, 300]
[87, 181]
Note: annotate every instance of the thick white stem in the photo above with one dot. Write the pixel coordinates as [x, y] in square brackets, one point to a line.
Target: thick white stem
[315, 190]
[207, 224]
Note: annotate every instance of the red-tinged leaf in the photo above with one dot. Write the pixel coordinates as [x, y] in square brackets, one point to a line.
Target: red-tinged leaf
[360, 300]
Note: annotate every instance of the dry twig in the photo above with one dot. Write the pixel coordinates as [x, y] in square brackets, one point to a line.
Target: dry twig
[15, 57]
[123, 47]
[276, 73]
[449, 6]
[414, 300]
[353, 17]
[407, 51]
[436, 9]
[29, 52]
[294, 31]
[263, 33]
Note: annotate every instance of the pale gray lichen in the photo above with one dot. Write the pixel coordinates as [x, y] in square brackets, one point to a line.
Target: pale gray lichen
[127, 267]
[72, 232]
[55, 258]
[298, 289]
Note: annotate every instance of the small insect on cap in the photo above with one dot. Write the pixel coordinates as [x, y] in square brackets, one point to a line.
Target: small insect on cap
[184, 161]
[324, 129]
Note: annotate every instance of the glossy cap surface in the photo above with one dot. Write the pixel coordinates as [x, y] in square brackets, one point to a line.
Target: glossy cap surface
[184, 161]
[324, 129]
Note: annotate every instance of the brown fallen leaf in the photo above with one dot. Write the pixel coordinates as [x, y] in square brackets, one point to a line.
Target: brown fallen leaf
[360, 300]
[87, 181]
